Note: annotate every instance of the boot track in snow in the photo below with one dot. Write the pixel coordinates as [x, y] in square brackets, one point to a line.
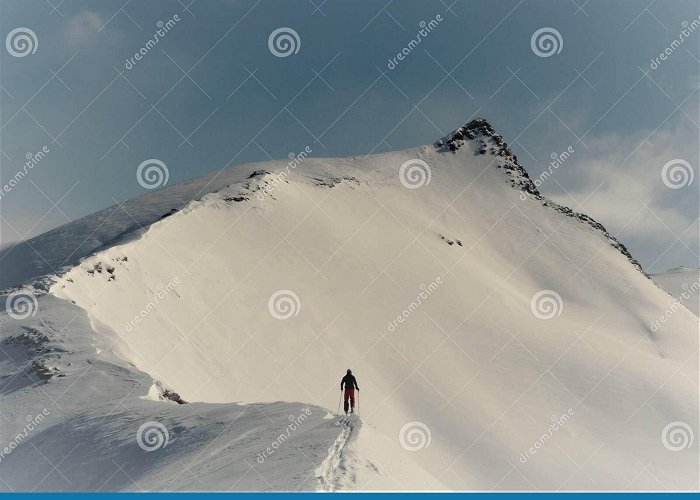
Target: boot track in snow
[333, 469]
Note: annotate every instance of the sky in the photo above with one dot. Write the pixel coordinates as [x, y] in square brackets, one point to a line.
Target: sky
[233, 81]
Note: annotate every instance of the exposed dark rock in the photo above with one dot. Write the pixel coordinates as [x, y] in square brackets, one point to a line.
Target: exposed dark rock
[30, 338]
[334, 181]
[331, 182]
[597, 226]
[450, 241]
[42, 372]
[172, 211]
[173, 396]
[488, 141]
[258, 173]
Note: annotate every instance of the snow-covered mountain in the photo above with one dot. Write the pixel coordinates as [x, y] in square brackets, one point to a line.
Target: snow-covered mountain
[684, 284]
[501, 341]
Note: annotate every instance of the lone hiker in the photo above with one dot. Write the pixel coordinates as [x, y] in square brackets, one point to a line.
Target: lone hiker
[350, 384]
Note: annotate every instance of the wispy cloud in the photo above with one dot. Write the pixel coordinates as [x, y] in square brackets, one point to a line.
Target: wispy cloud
[82, 28]
[619, 182]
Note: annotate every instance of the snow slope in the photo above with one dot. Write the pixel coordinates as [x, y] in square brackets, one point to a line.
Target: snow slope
[478, 385]
[682, 283]
[92, 406]
[65, 246]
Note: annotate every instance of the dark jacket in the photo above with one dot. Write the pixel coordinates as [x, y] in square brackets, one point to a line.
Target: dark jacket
[349, 382]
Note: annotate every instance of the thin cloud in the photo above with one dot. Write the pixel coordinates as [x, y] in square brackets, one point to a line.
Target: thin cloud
[83, 28]
[619, 183]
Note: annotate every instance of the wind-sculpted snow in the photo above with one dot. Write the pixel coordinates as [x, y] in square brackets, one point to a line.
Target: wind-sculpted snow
[471, 310]
[94, 423]
[61, 248]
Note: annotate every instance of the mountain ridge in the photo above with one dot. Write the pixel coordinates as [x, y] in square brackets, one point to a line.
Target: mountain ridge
[480, 128]
[469, 313]
[97, 236]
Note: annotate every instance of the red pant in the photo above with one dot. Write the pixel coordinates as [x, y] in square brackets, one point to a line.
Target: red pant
[349, 396]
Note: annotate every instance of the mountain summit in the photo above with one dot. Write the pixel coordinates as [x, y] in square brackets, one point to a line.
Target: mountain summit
[501, 341]
[59, 249]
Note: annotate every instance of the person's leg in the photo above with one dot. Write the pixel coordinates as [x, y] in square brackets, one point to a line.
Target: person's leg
[345, 403]
[352, 401]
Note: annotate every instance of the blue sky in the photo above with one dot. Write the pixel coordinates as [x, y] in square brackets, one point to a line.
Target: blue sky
[211, 94]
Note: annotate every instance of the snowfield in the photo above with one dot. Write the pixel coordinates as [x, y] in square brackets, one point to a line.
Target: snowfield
[684, 284]
[93, 407]
[499, 342]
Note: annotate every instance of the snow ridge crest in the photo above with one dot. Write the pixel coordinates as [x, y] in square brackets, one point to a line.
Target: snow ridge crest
[486, 141]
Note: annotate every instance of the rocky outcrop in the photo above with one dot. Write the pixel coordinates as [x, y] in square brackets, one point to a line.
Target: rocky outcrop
[480, 135]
